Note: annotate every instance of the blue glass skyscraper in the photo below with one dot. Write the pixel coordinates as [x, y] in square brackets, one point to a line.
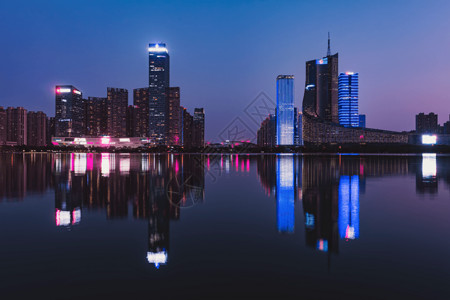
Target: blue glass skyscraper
[285, 110]
[348, 99]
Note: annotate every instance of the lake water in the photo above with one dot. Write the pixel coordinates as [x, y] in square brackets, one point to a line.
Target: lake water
[132, 226]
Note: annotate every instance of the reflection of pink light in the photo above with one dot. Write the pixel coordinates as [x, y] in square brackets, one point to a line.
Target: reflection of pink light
[177, 167]
[321, 244]
[237, 162]
[72, 162]
[221, 161]
[248, 165]
[90, 162]
[58, 218]
[207, 162]
[242, 165]
[361, 169]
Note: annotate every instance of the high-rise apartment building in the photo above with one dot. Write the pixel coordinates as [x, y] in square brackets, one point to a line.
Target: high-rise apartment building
[16, 125]
[158, 81]
[117, 103]
[285, 110]
[199, 127]
[187, 127]
[36, 129]
[321, 88]
[131, 120]
[3, 122]
[69, 111]
[96, 116]
[427, 123]
[267, 133]
[141, 103]
[348, 99]
[173, 115]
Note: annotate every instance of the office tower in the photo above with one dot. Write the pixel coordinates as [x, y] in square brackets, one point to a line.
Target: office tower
[69, 111]
[3, 122]
[173, 115]
[285, 110]
[267, 133]
[131, 120]
[158, 81]
[348, 99]
[362, 121]
[199, 127]
[16, 125]
[50, 129]
[141, 102]
[321, 88]
[96, 116]
[187, 126]
[117, 103]
[36, 129]
[426, 123]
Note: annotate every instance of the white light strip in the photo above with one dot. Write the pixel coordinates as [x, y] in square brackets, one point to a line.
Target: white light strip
[157, 49]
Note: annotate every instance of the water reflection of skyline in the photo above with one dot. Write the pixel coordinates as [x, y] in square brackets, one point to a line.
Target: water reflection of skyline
[155, 187]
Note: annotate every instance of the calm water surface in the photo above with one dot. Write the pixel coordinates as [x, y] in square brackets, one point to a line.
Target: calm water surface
[132, 226]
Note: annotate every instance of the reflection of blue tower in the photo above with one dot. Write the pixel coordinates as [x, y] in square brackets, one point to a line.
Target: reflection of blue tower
[285, 193]
[348, 220]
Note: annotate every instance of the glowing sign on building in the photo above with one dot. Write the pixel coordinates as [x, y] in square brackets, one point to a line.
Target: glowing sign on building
[429, 139]
[62, 90]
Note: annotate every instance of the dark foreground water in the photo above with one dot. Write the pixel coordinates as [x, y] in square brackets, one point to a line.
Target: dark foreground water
[115, 226]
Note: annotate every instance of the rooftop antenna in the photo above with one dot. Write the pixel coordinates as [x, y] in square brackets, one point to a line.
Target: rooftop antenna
[329, 50]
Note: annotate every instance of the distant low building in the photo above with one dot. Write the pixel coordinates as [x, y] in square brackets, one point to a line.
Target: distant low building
[105, 141]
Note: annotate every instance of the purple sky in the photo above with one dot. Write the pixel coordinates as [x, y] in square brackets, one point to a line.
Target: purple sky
[224, 53]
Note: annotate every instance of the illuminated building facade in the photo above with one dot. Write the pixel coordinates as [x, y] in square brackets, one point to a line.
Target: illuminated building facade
[141, 102]
[158, 81]
[117, 103]
[285, 110]
[199, 127]
[362, 121]
[69, 111]
[173, 115]
[348, 99]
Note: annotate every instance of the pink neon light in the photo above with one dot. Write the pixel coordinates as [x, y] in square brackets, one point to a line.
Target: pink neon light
[58, 91]
[55, 143]
[57, 217]
[90, 162]
[361, 137]
[177, 167]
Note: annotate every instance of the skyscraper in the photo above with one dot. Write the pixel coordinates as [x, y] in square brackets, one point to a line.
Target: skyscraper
[69, 111]
[173, 115]
[117, 103]
[141, 103]
[199, 127]
[158, 81]
[348, 99]
[321, 88]
[187, 126]
[285, 110]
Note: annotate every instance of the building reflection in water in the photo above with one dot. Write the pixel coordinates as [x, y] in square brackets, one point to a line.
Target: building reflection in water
[329, 189]
[156, 186]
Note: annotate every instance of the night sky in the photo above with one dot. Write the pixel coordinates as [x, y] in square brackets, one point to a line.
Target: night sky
[224, 53]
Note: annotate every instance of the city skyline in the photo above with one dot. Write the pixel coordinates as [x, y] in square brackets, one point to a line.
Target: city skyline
[392, 64]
